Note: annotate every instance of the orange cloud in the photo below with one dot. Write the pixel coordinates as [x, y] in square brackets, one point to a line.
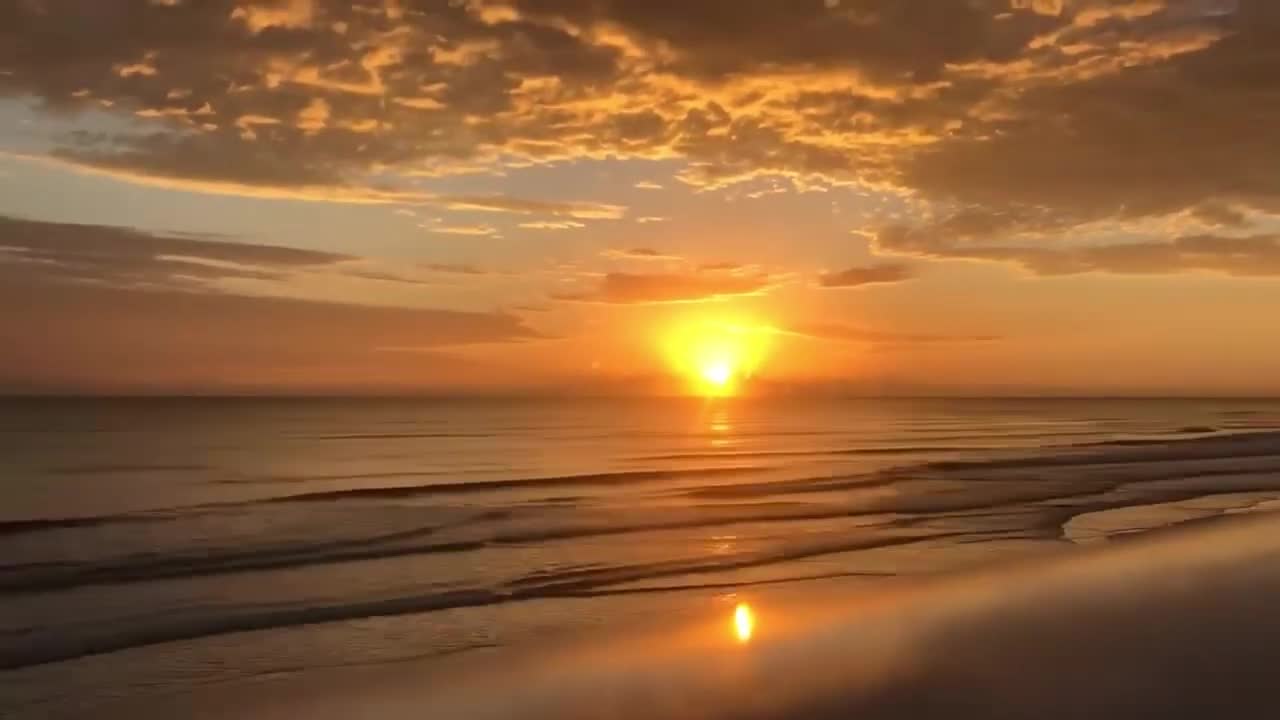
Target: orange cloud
[882, 274]
[115, 308]
[628, 288]
[501, 204]
[640, 253]
[848, 333]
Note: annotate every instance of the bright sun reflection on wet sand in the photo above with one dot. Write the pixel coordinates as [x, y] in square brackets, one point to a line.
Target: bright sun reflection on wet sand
[744, 622]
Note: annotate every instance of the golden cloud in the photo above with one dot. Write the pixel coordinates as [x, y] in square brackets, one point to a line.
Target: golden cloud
[631, 288]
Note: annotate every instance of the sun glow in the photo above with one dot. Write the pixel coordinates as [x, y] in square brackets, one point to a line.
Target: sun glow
[718, 374]
[717, 357]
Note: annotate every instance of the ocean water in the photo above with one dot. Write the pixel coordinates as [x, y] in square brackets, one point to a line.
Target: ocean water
[152, 547]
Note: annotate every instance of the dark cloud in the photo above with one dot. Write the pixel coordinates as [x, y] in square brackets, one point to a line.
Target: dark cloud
[1219, 215]
[628, 288]
[94, 338]
[1105, 111]
[1186, 122]
[95, 308]
[309, 93]
[882, 39]
[959, 238]
[130, 258]
[884, 273]
[127, 257]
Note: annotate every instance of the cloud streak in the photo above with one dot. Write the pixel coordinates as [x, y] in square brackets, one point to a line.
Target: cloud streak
[97, 308]
[882, 274]
[125, 257]
[1255, 255]
[635, 289]
[837, 332]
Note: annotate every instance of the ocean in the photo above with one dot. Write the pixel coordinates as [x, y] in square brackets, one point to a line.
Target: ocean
[149, 547]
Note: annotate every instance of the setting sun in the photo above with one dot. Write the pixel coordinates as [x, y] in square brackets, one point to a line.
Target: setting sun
[718, 373]
[717, 357]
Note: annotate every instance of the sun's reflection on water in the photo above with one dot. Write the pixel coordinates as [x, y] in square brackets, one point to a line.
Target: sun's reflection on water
[721, 428]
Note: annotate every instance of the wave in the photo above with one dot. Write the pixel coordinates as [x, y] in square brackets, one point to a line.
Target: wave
[1118, 476]
[1121, 452]
[399, 436]
[608, 478]
[1025, 497]
[870, 451]
[571, 583]
[15, 527]
[18, 527]
[298, 479]
[107, 469]
[44, 577]
[1043, 508]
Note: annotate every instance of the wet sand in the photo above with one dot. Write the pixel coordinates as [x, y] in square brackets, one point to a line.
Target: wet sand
[1177, 625]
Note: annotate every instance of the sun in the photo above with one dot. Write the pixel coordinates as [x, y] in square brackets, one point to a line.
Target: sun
[719, 358]
[718, 374]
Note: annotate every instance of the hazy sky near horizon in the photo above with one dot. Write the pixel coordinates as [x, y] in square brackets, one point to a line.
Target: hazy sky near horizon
[964, 196]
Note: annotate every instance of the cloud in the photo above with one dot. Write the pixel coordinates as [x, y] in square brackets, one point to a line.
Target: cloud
[469, 230]
[356, 195]
[427, 275]
[100, 308]
[128, 258]
[105, 339]
[1219, 215]
[872, 38]
[882, 274]
[1102, 112]
[980, 238]
[457, 83]
[455, 269]
[118, 168]
[639, 253]
[125, 257]
[552, 225]
[502, 204]
[629, 289]
[392, 277]
[1175, 127]
[722, 266]
[648, 185]
[650, 219]
[848, 333]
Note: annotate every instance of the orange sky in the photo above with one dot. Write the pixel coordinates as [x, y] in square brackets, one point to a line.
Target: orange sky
[953, 197]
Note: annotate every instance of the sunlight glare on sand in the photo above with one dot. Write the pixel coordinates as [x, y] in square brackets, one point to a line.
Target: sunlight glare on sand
[744, 622]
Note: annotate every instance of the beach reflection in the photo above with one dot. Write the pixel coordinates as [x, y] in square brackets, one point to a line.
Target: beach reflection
[744, 622]
[721, 428]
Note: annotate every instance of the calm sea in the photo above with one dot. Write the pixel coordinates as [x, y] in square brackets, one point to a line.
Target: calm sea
[151, 546]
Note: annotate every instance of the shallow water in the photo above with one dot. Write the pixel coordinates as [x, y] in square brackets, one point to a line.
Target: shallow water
[148, 547]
